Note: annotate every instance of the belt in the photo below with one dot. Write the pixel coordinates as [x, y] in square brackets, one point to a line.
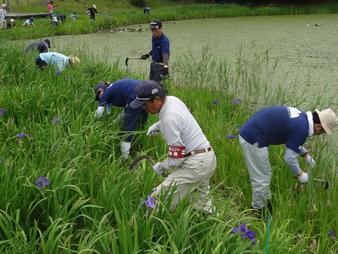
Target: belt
[204, 150]
[158, 63]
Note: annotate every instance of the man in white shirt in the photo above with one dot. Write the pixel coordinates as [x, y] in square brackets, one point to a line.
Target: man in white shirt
[189, 153]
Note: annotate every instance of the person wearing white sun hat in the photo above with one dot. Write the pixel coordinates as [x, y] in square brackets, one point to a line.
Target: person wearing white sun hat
[277, 125]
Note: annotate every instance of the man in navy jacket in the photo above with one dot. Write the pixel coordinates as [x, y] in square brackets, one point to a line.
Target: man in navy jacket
[159, 52]
[277, 125]
[120, 94]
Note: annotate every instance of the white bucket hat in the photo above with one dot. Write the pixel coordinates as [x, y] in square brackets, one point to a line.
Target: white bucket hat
[3, 5]
[328, 119]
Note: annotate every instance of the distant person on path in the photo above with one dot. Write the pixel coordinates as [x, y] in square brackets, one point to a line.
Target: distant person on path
[56, 59]
[119, 94]
[146, 10]
[190, 155]
[50, 9]
[55, 20]
[41, 46]
[279, 125]
[92, 11]
[159, 53]
[3, 13]
[11, 23]
[28, 22]
[73, 16]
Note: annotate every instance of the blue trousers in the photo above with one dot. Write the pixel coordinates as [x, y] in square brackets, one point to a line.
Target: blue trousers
[134, 119]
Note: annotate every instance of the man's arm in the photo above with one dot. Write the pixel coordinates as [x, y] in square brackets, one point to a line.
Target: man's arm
[166, 60]
[165, 53]
[291, 160]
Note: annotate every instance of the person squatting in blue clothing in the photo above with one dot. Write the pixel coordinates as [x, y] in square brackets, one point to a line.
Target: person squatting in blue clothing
[277, 125]
[41, 46]
[55, 59]
[159, 53]
[120, 94]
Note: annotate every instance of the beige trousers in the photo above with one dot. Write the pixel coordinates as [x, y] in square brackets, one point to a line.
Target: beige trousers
[257, 161]
[191, 177]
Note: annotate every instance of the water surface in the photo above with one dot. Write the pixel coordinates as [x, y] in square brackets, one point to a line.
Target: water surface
[305, 45]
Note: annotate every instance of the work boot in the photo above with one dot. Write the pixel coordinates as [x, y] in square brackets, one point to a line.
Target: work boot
[263, 212]
[257, 213]
[269, 207]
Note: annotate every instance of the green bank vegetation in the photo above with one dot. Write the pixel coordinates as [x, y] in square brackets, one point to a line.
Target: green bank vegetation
[110, 17]
[92, 204]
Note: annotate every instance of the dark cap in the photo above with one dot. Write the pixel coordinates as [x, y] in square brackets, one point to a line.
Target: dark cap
[146, 91]
[47, 42]
[155, 24]
[98, 86]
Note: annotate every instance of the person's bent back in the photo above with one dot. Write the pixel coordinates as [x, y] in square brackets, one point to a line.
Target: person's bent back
[41, 46]
[55, 59]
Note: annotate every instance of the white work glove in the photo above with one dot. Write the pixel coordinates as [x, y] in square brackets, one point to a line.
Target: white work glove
[303, 178]
[157, 169]
[154, 129]
[309, 161]
[125, 149]
[99, 111]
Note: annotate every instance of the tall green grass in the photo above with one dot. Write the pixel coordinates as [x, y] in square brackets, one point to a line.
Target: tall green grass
[128, 16]
[93, 202]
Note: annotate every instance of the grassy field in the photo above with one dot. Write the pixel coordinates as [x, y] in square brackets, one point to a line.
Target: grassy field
[92, 203]
[115, 14]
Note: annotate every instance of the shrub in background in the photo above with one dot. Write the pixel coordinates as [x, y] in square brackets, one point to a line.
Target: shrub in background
[140, 3]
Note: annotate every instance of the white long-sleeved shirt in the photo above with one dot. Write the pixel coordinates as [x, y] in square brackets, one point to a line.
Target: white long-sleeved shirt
[291, 156]
[179, 128]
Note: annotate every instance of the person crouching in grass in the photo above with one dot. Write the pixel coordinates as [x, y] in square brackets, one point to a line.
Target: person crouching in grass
[119, 94]
[280, 125]
[56, 59]
[190, 154]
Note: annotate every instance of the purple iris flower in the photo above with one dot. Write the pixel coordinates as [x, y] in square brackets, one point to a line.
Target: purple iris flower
[234, 231]
[250, 234]
[230, 137]
[242, 228]
[150, 202]
[21, 135]
[215, 102]
[245, 233]
[237, 101]
[42, 182]
[58, 72]
[331, 233]
[2, 111]
[55, 119]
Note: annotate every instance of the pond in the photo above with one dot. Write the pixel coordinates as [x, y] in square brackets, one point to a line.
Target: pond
[306, 46]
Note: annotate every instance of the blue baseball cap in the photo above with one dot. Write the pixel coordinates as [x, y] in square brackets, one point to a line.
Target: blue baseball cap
[155, 24]
[146, 91]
